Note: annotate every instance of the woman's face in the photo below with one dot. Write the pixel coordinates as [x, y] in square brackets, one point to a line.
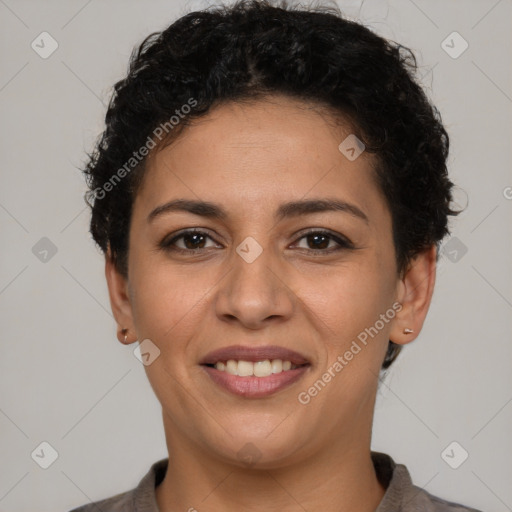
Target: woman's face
[254, 278]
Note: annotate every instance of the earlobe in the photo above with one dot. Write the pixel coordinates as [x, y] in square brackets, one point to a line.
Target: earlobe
[119, 301]
[123, 335]
[415, 291]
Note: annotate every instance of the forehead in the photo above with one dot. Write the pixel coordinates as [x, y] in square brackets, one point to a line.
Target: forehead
[256, 153]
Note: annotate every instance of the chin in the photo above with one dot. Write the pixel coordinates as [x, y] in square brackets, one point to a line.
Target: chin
[261, 451]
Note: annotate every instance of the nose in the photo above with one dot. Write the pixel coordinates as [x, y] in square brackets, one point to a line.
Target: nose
[255, 292]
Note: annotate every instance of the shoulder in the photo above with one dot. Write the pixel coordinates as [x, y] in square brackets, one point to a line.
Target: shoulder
[122, 502]
[426, 502]
[402, 495]
[140, 499]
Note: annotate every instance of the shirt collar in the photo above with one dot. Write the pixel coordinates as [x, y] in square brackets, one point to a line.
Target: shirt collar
[394, 477]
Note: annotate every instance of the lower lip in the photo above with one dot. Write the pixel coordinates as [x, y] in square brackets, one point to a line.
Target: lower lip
[255, 387]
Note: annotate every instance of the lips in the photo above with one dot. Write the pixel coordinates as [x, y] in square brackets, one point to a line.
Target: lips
[253, 354]
[247, 386]
[255, 387]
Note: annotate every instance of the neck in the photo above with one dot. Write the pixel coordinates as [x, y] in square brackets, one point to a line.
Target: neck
[340, 478]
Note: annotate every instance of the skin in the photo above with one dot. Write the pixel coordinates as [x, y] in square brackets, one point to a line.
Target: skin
[250, 158]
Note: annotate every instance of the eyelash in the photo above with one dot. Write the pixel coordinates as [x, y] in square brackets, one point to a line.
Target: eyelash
[343, 242]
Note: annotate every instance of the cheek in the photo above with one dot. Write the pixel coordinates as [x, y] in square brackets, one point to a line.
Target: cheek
[168, 309]
[166, 300]
[349, 302]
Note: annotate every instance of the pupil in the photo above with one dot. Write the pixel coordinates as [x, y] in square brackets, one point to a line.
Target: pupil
[321, 245]
[193, 236]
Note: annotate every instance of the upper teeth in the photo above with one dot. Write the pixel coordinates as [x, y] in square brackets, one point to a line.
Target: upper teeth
[257, 369]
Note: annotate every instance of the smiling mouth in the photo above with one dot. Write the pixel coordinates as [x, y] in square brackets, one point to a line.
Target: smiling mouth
[249, 385]
[261, 369]
[254, 371]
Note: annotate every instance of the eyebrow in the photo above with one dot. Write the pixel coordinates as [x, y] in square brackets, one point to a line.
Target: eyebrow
[285, 210]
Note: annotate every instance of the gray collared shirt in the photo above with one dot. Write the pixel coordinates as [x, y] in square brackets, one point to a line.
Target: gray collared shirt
[401, 495]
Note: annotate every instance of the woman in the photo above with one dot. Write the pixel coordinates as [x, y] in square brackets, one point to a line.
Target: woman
[270, 193]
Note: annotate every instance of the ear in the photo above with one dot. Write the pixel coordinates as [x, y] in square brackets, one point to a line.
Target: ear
[118, 291]
[414, 293]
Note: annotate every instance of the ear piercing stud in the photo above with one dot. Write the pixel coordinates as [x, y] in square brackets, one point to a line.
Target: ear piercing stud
[408, 331]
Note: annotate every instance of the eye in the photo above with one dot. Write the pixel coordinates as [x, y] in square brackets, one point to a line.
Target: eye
[191, 239]
[195, 240]
[320, 240]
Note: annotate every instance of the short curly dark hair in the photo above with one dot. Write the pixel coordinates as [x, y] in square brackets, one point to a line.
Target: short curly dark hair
[253, 49]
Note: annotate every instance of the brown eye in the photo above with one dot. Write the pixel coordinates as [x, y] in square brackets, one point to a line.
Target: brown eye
[318, 241]
[190, 240]
[324, 241]
[193, 240]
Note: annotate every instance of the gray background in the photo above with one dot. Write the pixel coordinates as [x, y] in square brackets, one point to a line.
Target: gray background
[66, 380]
